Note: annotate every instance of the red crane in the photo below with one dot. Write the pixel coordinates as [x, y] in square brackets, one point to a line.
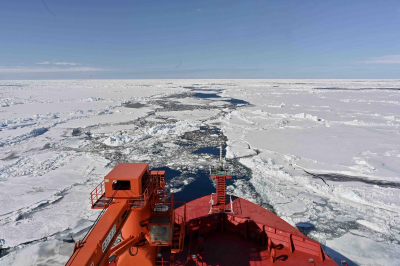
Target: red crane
[137, 206]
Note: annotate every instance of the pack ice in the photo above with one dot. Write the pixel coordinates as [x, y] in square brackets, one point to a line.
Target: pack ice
[322, 154]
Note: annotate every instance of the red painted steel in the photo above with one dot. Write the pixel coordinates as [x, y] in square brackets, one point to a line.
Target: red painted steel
[220, 176]
[97, 197]
[127, 195]
[257, 224]
[94, 247]
[129, 172]
[247, 234]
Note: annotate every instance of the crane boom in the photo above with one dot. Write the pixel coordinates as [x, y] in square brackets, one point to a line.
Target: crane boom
[94, 248]
[137, 206]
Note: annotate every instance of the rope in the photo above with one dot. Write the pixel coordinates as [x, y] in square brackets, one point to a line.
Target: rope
[130, 252]
[137, 248]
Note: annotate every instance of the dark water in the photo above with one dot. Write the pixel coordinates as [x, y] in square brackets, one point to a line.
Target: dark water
[206, 95]
[169, 173]
[236, 101]
[135, 105]
[76, 132]
[346, 178]
[202, 186]
[214, 95]
[213, 151]
[337, 257]
[207, 150]
[11, 156]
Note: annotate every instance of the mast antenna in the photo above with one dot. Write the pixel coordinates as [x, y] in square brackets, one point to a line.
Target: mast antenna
[221, 164]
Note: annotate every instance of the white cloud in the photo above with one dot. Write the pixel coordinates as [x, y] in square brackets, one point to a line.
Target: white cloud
[65, 64]
[57, 63]
[49, 69]
[387, 59]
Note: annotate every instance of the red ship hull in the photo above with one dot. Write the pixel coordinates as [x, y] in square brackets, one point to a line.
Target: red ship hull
[247, 236]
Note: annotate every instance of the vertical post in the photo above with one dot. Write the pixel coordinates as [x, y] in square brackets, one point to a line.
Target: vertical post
[291, 243]
[245, 229]
[222, 223]
[273, 255]
[200, 242]
[221, 166]
[321, 254]
[263, 235]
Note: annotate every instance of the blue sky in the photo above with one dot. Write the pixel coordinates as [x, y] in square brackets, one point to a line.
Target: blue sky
[58, 39]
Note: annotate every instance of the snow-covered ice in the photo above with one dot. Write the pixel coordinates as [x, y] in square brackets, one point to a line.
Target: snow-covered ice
[322, 154]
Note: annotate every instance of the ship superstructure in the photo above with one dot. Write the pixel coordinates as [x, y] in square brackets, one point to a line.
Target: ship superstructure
[154, 229]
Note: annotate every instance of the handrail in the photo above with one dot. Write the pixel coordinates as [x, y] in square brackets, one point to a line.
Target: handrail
[230, 197]
[296, 242]
[178, 218]
[145, 196]
[212, 207]
[182, 222]
[216, 172]
[183, 228]
[97, 193]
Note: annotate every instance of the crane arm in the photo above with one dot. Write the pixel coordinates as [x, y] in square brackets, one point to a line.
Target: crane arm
[97, 243]
[122, 247]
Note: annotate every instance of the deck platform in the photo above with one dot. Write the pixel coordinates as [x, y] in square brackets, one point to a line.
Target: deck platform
[250, 236]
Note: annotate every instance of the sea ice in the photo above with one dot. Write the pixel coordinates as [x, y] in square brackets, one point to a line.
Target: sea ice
[322, 154]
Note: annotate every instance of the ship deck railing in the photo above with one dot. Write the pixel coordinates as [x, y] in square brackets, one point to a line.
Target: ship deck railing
[215, 208]
[98, 199]
[216, 172]
[180, 224]
[283, 242]
[141, 201]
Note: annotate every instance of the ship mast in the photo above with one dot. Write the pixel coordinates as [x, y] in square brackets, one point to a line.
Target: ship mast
[221, 163]
[220, 175]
